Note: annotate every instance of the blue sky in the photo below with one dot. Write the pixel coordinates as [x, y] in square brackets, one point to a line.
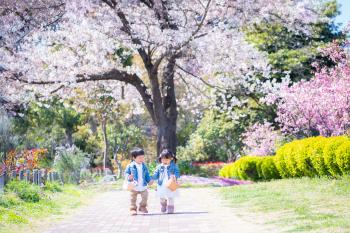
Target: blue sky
[344, 17]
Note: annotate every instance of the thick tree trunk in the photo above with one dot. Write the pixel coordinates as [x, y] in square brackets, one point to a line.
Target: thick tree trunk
[165, 106]
[166, 136]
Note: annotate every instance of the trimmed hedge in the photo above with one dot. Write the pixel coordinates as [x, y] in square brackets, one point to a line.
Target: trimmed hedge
[314, 156]
[251, 168]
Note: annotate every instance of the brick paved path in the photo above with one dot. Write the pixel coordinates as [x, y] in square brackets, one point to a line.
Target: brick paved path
[196, 211]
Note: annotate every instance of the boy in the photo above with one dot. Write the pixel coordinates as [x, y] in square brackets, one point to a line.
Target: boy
[137, 171]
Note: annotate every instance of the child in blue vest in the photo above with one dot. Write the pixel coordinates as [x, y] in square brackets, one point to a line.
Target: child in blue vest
[138, 173]
[166, 170]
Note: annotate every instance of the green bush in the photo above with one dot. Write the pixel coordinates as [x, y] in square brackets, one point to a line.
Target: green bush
[27, 192]
[343, 157]
[314, 156]
[225, 171]
[251, 168]
[281, 160]
[267, 168]
[69, 162]
[184, 167]
[245, 168]
[317, 158]
[212, 140]
[53, 187]
[303, 157]
[330, 156]
[9, 199]
[248, 168]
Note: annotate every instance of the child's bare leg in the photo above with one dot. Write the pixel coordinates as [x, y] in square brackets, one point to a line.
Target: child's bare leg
[163, 203]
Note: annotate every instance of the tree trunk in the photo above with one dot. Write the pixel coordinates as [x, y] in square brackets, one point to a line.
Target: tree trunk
[165, 106]
[166, 135]
[69, 136]
[105, 153]
[118, 163]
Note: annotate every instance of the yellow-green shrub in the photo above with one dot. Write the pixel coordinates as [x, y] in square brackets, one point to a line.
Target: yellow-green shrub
[303, 155]
[251, 168]
[314, 156]
[281, 159]
[224, 171]
[267, 168]
[343, 157]
[248, 167]
[329, 154]
[317, 159]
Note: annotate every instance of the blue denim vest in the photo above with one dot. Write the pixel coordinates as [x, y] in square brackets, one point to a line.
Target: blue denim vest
[132, 169]
[173, 169]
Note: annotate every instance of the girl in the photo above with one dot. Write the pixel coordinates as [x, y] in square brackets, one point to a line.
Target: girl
[167, 169]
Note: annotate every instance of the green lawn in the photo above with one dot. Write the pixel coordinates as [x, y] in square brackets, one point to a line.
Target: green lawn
[295, 205]
[20, 216]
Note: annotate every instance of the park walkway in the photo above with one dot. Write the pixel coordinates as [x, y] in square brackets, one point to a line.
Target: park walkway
[197, 210]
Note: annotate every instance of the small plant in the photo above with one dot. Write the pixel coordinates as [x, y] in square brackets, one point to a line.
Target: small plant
[69, 162]
[9, 199]
[53, 187]
[27, 192]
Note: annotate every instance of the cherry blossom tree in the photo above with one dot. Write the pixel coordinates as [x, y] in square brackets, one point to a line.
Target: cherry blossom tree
[321, 105]
[197, 43]
[261, 139]
[19, 18]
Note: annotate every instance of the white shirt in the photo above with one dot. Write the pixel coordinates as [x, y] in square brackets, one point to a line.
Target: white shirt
[139, 187]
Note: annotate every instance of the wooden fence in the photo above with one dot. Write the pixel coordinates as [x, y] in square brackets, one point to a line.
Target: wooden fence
[37, 177]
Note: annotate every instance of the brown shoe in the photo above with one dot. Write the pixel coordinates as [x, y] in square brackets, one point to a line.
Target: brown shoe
[143, 210]
[133, 212]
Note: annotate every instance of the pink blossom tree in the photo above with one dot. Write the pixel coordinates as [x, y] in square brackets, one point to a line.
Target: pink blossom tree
[261, 139]
[321, 105]
[196, 43]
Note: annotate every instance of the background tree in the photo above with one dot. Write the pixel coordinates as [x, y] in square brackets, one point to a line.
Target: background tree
[293, 52]
[167, 36]
[123, 136]
[320, 106]
[48, 124]
[213, 140]
[8, 140]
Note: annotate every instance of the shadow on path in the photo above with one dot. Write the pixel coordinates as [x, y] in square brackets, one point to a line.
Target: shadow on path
[176, 213]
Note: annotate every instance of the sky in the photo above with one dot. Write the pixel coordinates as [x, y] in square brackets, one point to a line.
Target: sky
[344, 17]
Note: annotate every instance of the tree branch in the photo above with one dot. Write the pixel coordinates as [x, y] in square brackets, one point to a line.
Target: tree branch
[127, 29]
[201, 79]
[113, 74]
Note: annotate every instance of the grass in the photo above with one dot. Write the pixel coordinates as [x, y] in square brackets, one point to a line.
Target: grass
[296, 205]
[19, 216]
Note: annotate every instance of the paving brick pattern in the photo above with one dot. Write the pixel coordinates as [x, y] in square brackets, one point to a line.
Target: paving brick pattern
[196, 211]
